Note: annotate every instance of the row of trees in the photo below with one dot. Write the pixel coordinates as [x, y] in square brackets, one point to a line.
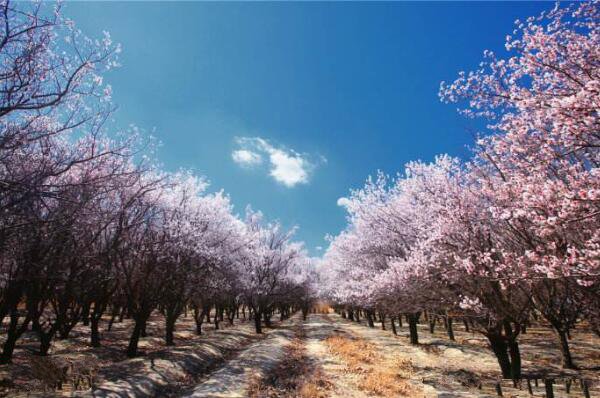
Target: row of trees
[514, 232]
[88, 224]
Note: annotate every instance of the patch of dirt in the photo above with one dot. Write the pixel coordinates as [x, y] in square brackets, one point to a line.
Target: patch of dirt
[379, 375]
[73, 367]
[232, 380]
[467, 368]
[296, 375]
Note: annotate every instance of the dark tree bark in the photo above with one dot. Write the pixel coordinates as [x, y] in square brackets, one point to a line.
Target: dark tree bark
[257, 322]
[370, 319]
[132, 348]
[13, 333]
[114, 313]
[500, 349]
[432, 320]
[413, 319]
[567, 359]
[450, 328]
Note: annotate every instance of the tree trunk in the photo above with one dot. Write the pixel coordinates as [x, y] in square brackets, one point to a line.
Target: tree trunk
[113, 316]
[370, 319]
[8, 348]
[515, 360]
[65, 330]
[382, 318]
[13, 333]
[45, 342]
[85, 314]
[169, 329]
[413, 318]
[267, 318]
[199, 325]
[567, 359]
[432, 320]
[393, 326]
[257, 324]
[199, 315]
[95, 318]
[450, 328]
[95, 333]
[122, 314]
[132, 349]
[500, 349]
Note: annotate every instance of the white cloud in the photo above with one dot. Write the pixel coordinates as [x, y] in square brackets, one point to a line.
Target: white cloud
[343, 202]
[319, 248]
[286, 166]
[246, 158]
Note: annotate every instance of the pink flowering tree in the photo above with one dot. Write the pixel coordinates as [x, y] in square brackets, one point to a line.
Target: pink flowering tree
[543, 157]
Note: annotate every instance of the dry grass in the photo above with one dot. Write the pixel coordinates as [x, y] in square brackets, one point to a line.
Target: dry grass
[355, 352]
[295, 376]
[378, 375]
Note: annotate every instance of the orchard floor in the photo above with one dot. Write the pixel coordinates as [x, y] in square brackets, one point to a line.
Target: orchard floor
[324, 356]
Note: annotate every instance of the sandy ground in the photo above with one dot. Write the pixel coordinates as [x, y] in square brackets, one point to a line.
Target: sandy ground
[149, 376]
[440, 368]
[345, 384]
[225, 363]
[113, 374]
[454, 369]
[232, 380]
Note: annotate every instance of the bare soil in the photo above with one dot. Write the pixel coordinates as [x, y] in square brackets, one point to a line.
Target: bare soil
[324, 356]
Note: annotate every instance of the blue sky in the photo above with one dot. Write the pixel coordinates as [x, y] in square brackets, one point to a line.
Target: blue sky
[286, 106]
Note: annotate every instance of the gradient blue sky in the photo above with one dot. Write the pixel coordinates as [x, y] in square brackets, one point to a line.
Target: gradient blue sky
[353, 83]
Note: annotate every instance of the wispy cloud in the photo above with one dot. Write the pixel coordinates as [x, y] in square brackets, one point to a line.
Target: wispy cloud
[286, 166]
[246, 158]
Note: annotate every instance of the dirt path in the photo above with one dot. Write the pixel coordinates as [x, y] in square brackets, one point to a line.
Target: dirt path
[232, 380]
[345, 384]
[357, 366]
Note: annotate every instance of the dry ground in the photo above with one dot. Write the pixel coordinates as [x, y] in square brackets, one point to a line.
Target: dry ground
[30, 375]
[324, 356]
[458, 368]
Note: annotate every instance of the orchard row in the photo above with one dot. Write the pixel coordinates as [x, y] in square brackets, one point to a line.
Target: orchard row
[512, 234]
[90, 226]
